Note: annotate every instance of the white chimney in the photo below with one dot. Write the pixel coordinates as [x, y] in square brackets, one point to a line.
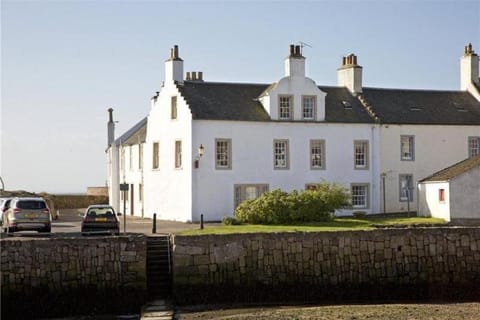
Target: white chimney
[468, 68]
[295, 62]
[349, 74]
[174, 67]
[110, 128]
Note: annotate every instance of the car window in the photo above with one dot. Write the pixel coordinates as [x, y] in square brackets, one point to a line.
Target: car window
[31, 204]
[101, 212]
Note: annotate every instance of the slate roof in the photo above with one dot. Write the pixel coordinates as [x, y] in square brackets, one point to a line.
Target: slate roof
[134, 135]
[335, 111]
[399, 106]
[224, 101]
[239, 101]
[454, 171]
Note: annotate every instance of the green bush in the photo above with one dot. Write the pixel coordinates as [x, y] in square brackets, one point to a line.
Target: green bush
[230, 221]
[277, 207]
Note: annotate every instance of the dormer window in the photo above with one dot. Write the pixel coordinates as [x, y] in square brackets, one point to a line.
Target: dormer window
[285, 104]
[309, 107]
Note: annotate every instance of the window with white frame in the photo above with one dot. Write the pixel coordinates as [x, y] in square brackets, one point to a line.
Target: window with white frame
[405, 187]
[223, 153]
[155, 155]
[285, 107]
[308, 107]
[407, 148]
[173, 106]
[359, 193]
[280, 154]
[360, 154]
[178, 154]
[248, 192]
[473, 146]
[317, 154]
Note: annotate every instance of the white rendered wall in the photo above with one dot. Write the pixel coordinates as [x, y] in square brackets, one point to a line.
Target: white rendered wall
[436, 147]
[429, 203]
[465, 195]
[132, 175]
[252, 161]
[113, 170]
[168, 190]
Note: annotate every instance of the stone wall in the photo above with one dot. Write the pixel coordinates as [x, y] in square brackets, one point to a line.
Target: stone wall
[402, 263]
[58, 275]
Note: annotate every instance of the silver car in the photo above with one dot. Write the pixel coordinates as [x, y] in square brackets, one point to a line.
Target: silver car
[27, 214]
[100, 218]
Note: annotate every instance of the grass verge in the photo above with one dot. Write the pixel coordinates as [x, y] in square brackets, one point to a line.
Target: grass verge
[338, 224]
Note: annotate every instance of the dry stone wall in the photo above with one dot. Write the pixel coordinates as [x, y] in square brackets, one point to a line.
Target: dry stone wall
[50, 275]
[407, 259]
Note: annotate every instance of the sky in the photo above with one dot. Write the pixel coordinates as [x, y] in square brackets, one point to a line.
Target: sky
[64, 63]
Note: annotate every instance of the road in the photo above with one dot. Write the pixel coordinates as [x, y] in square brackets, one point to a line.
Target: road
[69, 221]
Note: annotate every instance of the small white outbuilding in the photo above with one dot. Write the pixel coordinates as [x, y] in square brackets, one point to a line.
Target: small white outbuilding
[453, 193]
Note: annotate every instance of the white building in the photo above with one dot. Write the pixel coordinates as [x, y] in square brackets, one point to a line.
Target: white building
[206, 146]
[453, 193]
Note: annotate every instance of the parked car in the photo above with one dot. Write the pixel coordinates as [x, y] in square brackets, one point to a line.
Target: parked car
[27, 214]
[100, 219]
[4, 204]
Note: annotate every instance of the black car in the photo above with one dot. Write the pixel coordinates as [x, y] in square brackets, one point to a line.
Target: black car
[100, 219]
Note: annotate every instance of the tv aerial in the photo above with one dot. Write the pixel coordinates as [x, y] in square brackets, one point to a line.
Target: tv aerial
[303, 44]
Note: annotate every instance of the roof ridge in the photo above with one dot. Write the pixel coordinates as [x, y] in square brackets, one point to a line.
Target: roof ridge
[411, 89]
[224, 82]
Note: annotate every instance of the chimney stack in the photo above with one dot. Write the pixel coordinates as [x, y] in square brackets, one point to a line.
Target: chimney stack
[469, 68]
[174, 67]
[349, 74]
[295, 62]
[194, 76]
[110, 128]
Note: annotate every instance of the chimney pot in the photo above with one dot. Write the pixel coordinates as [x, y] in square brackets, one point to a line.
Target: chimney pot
[187, 76]
[297, 51]
[194, 75]
[200, 75]
[344, 61]
[175, 51]
[110, 114]
[292, 50]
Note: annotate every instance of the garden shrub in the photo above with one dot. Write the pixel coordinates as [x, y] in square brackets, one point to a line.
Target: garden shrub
[230, 221]
[277, 207]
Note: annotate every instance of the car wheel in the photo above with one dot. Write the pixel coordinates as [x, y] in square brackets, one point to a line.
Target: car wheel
[45, 230]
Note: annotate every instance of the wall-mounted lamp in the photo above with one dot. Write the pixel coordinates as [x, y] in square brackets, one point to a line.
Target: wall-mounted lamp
[201, 152]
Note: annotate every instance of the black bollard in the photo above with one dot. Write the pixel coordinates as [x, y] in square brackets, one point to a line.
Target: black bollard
[154, 229]
[201, 221]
